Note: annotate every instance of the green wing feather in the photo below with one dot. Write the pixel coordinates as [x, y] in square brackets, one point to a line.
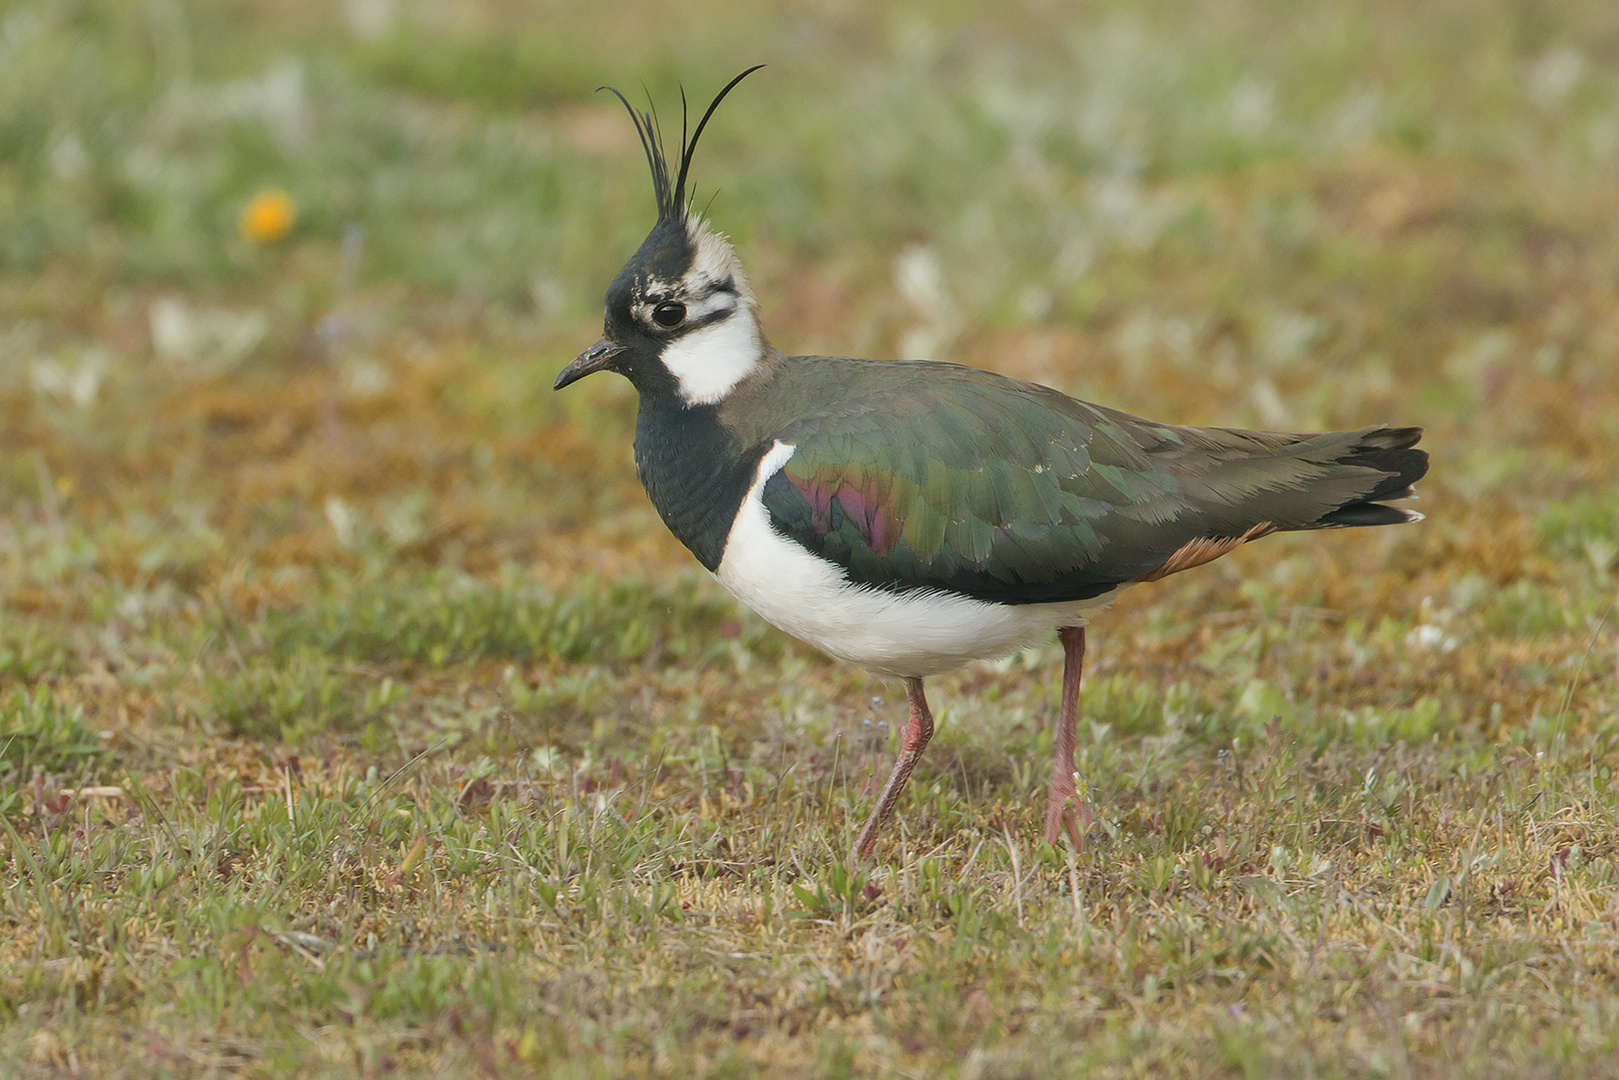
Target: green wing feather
[924, 475]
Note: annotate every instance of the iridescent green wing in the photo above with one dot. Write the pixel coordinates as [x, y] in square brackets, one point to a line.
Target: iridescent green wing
[934, 476]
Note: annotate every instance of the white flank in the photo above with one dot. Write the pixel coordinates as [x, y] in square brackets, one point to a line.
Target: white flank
[708, 362]
[907, 634]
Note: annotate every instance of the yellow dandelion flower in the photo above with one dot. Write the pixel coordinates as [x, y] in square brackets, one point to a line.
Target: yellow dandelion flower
[267, 217]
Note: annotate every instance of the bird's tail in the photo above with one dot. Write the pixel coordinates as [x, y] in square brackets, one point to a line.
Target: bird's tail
[1253, 483]
[1390, 451]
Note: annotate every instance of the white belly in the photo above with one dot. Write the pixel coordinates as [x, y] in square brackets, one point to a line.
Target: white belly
[914, 633]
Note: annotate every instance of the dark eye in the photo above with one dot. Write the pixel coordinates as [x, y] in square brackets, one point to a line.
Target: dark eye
[669, 313]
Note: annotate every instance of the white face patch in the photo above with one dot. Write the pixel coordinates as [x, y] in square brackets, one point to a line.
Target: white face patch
[708, 362]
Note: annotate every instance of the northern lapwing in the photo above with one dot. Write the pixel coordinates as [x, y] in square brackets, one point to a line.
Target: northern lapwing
[912, 516]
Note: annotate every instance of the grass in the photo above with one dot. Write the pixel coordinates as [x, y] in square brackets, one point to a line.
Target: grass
[357, 714]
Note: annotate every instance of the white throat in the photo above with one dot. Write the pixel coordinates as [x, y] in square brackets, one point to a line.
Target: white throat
[708, 362]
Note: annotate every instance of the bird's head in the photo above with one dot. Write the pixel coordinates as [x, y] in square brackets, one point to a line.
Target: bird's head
[681, 320]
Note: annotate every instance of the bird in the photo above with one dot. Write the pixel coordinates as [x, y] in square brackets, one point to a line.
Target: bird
[913, 516]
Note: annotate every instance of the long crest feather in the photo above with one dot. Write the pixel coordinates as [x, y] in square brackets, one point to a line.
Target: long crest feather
[646, 128]
[672, 197]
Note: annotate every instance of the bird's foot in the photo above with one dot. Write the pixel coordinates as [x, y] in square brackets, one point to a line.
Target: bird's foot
[1067, 811]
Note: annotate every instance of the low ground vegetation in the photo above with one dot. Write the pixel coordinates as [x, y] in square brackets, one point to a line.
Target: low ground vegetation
[357, 713]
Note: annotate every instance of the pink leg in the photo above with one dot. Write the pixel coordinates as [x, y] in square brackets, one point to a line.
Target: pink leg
[917, 733]
[1064, 807]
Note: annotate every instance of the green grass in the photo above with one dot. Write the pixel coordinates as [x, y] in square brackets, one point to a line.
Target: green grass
[358, 715]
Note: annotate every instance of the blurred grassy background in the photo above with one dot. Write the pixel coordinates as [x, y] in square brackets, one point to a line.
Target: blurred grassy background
[279, 517]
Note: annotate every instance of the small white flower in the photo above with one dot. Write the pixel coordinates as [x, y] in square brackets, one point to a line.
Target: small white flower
[1429, 636]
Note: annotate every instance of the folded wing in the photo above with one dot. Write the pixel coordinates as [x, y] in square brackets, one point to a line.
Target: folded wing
[1014, 493]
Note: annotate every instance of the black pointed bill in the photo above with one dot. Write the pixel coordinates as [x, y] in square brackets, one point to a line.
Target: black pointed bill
[599, 356]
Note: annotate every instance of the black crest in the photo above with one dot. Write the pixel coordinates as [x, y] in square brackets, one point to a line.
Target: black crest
[672, 198]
